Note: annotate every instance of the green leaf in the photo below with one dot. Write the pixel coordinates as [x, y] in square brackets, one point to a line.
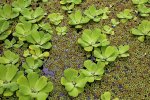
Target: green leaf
[76, 19]
[4, 25]
[11, 72]
[41, 96]
[7, 93]
[19, 5]
[106, 96]
[136, 31]
[69, 86]
[139, 1]
[22, 81]
[123, 49]
[74, 92]
[70, 74]
[3, 71]
[109, 51]
[7, 12]
[126, 14]
[40, 83]
[48, 88]
[25, 90]
[55, 18]
[141, 38]
[32, 78]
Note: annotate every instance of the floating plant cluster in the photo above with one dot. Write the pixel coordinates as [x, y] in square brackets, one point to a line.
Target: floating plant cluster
[22, 26]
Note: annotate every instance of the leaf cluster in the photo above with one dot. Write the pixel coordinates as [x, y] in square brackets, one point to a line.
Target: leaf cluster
[125, 15]
[92, 38]
[97, 15]
[142, 31]
[68, 5]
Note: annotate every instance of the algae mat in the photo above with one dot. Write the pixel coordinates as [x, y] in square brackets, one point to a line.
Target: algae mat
[126, 78]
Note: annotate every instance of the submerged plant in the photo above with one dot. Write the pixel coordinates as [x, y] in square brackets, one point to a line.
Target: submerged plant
[61, 30]
[92, 38]
[143, 10]
[108, 30]
[143, 30]
[39, 40]
[93, 71]
[8, 79]
[77, 19]
[24, 29]
[73, 83]
[106, 54]
[125, 15]
[20, 5]
[9, 58]
[6, 12]
[32, 15]
[34, 87]
[96, 15]
[32, 65]
[4, 32]
[55, 18]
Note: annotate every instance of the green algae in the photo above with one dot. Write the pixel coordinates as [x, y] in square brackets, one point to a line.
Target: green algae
[127, 78]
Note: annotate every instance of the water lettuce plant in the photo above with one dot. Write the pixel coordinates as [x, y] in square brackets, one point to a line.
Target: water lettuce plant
[55, 18]
[97, 15]
[61, 30]
[143, 10]
[39, 39]
[114, 22]
[122, 51]
[107, 96]
[22, 30]
[20, 5]
[32, 15]
[106, 54]
[4, 31]
[125, 15]
[33, 87]
[8, 79]
[77, 19]
[68, 5]
[36, 53]
[9, 44]
[92, 38]
[70, 1]
[93, 71]
[6, 12]
[142, 31]
[108, 30]
[73, 83]
[13, 43]
[139, 1]
[46, 27]
[9, 58]
[32, 65]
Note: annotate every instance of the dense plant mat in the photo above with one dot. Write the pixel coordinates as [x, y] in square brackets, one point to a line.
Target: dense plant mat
[76, 49]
